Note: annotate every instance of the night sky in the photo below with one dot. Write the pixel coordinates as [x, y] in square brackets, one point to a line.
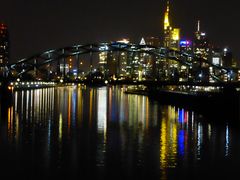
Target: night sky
[38, 25]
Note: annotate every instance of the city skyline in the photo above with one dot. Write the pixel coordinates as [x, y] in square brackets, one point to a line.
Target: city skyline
[119, 89]
[38, 26]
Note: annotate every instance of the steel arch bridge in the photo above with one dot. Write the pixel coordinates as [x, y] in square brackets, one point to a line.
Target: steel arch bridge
[164, 60]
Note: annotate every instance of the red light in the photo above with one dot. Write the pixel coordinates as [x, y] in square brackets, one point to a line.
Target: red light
[3, 26]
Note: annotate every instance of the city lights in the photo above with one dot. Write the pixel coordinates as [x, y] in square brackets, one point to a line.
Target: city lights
[128, 90]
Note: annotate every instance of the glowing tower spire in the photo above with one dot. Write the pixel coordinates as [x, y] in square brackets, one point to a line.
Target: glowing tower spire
[166, 17]
[198, 26]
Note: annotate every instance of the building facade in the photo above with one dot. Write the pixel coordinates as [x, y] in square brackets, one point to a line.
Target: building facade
[4, 48]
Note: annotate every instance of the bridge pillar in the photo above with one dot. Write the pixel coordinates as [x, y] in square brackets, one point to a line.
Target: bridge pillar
[35, 68]
[49, 72]
[78, 65]
[58, 68]
[64, 65]
[91, 59]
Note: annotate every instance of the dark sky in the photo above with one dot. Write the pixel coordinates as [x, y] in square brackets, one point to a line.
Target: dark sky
[38, 25]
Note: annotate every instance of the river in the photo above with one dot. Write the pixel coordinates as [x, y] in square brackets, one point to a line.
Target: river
[83, 132]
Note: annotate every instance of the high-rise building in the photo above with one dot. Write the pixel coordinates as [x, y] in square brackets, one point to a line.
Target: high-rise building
[152, 41]
[171, 35]
[4, 47]
[227, 58]
[147, 62]
[168, 68]
[201, 44]
[201, 50]
[114, 64]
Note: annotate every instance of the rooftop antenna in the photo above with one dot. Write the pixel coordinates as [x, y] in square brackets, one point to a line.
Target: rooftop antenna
[198, 26]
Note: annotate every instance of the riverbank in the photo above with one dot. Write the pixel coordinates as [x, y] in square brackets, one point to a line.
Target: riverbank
[218, 106]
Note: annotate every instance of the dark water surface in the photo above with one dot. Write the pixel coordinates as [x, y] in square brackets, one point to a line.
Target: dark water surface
[103, 133]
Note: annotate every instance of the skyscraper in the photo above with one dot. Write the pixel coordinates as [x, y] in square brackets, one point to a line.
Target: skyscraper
[4, 47]
[168, 68]
[171, 35]
[202, 50]
[201, 44]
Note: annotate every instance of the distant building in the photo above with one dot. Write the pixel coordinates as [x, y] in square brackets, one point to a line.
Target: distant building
[217, 57]
[114, 64]
[4, 47]
[168, 69]
[227, 58]
[152, 41]
[186, 46]
[147, 62]
[171, 35]
[103, 62]
[64, 69]
[201, 44]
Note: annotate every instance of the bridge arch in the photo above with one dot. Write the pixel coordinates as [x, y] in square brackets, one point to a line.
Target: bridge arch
[165, 63]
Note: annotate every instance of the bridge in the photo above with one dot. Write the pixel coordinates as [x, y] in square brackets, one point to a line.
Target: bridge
[121, 63]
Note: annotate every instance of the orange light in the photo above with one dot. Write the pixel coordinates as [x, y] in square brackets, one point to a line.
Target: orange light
[10, 88]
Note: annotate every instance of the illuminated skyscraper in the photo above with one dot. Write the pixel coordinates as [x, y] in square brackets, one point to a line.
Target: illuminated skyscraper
[4, 47]
[167, 27]
[169, 69]
[171, 35]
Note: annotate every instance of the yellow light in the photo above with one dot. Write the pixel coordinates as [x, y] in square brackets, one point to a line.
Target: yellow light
[166, 18]
[166, 21]
[60, 127]
[10, 88]
[125, 41]
[176, 34]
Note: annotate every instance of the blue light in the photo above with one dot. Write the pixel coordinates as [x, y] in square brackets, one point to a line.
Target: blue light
[181, 116]
[185, 43]
[181, 142]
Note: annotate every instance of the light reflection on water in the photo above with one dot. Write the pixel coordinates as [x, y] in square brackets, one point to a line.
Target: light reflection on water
[104, 131]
